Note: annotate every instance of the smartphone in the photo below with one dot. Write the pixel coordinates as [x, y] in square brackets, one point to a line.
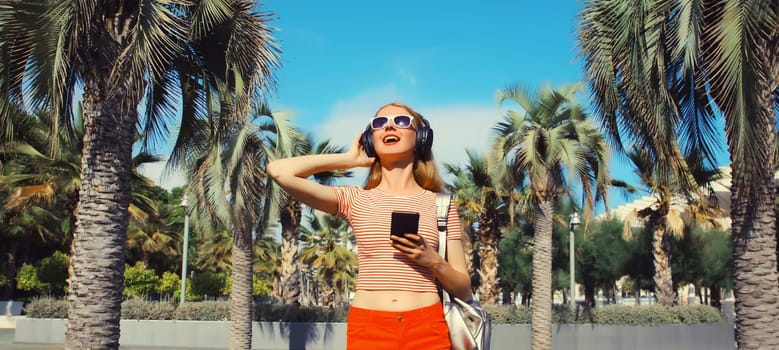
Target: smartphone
[404, 222]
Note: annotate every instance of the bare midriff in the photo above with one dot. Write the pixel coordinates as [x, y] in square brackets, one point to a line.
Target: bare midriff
[383, 300]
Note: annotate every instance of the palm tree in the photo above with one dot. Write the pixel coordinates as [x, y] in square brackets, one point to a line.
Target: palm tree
[665, 73]
[214, 253]
[663, 219]
[113, 50]
[479, 199]
[290, 215]
[232, 190]
[267, 263]
[150, 235]
[324, 249]
[547, 136]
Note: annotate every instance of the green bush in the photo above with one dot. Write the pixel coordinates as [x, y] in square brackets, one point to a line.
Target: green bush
[27, 280]
[139, 281]
[139, 309]
[136, 308]
[633, 315]
[203, 311]
[46, 308]
[694, 314]
[509, 314]
[53, 271]
[170, 283]
[208, 284]
[295, 313]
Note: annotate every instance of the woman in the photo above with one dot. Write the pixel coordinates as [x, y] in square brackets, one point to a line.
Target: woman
[396, 305]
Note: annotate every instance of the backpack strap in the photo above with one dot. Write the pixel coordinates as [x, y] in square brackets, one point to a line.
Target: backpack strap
[442, 200]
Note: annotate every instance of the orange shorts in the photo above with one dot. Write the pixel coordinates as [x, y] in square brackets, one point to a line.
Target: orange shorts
[423, 328]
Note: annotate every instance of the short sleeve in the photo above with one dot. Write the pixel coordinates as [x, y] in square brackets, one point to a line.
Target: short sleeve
[453, 223]
[344, 198]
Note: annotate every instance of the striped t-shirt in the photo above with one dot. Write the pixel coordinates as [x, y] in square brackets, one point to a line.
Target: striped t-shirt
[382, 267]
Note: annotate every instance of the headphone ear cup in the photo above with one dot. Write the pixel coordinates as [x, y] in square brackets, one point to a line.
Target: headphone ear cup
[424, 143]
[366, 140]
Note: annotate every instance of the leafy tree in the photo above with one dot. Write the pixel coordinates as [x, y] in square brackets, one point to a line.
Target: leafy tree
[28, 280]
[26, 234]
[53, 270]
[140, 281]
[601, 257]
[169, 284]
[515, 268]
[548, 134]
[209, 284]
[664, 73]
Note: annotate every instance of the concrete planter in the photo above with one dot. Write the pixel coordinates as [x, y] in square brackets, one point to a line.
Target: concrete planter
[316, 336]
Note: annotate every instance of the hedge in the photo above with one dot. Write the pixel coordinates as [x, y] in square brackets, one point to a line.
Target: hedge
[139, 309]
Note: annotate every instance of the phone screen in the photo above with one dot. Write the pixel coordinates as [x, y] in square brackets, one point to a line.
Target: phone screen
[404, 222]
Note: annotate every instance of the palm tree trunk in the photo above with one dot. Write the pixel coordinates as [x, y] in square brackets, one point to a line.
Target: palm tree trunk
[753, 195]
[489, 291]
[468, 249]
[289, 284]
[661, 250]
[241, 303]
[10, 286]
[541, 313]
[97, 260]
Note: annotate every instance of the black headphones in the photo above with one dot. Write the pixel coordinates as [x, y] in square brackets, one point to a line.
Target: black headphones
[423, 147]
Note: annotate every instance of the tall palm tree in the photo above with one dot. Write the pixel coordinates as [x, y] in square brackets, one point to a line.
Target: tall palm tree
[324, 249]
[39, 180]
[117, 51]
[663, 219]
[479, 199]
[232, 190]
[291, 213]
[547, 136]
[661, 73]
[110, 49]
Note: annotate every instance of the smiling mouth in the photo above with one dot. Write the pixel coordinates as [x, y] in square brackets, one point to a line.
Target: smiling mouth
[391, 139]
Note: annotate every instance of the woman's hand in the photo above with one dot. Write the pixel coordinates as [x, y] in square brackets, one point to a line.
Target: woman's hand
[415, 247]
[357, 153]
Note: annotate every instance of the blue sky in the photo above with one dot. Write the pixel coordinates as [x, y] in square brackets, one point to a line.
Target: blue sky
[341, 60]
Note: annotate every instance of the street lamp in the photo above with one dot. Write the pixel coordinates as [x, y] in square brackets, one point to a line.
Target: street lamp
[573, 221]
[185, 205]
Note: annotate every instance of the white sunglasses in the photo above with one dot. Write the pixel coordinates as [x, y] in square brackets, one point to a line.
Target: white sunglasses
[399, 121]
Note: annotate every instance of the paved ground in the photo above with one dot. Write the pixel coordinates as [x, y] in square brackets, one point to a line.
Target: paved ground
[7, 343]
[7, 339]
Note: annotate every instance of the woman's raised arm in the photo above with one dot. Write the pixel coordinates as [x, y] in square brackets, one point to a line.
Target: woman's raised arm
[292, 174]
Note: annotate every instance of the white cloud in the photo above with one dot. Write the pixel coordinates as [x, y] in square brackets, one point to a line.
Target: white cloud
[456, 127]
[167, 180]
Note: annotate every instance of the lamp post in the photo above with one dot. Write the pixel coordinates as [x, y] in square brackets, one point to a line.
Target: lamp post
[185, 205]
[573, 221]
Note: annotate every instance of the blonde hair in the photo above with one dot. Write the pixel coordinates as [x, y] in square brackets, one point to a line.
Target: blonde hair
[425, 171]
